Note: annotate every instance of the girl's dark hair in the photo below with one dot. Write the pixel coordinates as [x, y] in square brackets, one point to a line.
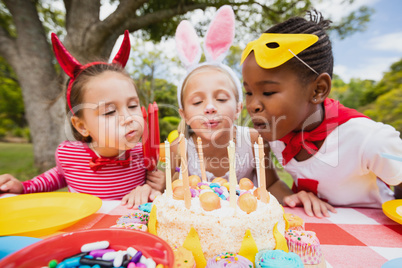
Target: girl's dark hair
[319, 55]
[79, 86]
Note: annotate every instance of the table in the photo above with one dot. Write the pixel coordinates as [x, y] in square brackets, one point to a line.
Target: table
[352, 237]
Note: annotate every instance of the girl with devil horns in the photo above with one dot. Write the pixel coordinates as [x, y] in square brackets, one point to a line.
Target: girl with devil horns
[106, 160]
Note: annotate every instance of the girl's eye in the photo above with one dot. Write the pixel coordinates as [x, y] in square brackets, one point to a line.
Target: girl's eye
[222, 100]
[110, 112]
[133, 106]
[197, 103]
[248, 93]
[268, 93]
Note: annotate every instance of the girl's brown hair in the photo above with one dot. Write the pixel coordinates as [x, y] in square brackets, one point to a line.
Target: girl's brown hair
[79, 86]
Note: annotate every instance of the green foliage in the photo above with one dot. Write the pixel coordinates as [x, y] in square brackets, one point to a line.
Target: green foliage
[166, 125]
[381, 101]
[11, 103]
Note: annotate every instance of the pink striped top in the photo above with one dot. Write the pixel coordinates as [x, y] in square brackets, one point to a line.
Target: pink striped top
[110, 182]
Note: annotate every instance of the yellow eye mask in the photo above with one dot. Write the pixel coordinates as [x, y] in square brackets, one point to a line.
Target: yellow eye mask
[272, 50]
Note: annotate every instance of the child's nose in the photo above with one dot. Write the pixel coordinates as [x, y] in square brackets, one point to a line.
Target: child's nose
[126, 118]
[210, 109]
[255, 106]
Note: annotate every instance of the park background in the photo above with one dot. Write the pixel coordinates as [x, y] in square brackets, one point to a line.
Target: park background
[366, 37]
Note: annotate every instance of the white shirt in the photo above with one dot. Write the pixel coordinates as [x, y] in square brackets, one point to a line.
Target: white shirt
[348, 167]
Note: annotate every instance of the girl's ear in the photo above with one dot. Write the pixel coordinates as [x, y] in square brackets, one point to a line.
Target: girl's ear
[322, 88]
[80, 126]
[239, 108]
[181, 112]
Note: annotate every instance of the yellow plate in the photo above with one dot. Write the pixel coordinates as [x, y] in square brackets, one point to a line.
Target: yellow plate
[390, 207]
[41, 214]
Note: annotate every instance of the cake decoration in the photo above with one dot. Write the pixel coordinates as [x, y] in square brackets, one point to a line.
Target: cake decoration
[210, 201]
[136, 217]
[192, 243]
[246, 184]
[227, 260]
[277, 259]
[145, 207]
[152, 221]
[183, 258]
[295, 222]
[280, 240]
[305, 244]
[248, 247]
[247, 202]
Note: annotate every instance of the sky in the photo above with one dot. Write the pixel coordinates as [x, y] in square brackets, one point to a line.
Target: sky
[367, 55]
[362, 55]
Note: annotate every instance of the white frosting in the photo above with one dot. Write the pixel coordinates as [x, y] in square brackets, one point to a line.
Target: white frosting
[220, 230]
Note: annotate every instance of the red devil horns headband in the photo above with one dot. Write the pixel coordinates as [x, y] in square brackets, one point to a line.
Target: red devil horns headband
[73, 68]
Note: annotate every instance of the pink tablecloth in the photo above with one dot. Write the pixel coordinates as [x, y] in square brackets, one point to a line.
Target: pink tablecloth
[353, 237]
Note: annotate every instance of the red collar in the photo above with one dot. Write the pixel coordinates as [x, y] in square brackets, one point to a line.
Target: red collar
[335, 115]
[96, 163]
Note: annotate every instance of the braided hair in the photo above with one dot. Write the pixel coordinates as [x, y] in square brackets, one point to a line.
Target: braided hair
[319, 55]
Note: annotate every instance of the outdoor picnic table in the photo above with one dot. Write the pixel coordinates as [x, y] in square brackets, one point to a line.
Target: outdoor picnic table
[352, 237]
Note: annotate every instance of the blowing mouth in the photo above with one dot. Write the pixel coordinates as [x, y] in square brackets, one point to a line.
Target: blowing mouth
[130, 134]
[260, 125]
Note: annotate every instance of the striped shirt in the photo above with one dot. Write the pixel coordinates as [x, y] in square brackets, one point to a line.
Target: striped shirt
[112, 181]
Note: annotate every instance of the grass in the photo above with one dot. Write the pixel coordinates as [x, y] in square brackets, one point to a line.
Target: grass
[17, 159]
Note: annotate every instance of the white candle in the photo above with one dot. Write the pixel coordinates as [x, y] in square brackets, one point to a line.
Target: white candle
[263, 185]
[184, 171]
[257, 163]
[201, 157]
[168, 173]
[232, 174]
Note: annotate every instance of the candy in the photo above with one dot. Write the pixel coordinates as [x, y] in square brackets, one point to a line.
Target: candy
[100, 252]
[52, 264]
[247, 202]
[178, 193]
[246, 184]
[136, 258]
[131, 251]
[109, 256]
[177, 183]
[94, 246]
[219, 180]
[210, 201]
[194, 180]
[118, 261]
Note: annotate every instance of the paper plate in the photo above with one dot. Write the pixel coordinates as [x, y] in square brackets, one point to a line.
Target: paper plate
[11, 244]
[40, 214]
[389, 209]
[68, 244]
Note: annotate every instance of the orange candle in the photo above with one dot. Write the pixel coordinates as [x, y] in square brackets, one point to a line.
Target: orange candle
[232, 174]
[201, 157]
[168, 173]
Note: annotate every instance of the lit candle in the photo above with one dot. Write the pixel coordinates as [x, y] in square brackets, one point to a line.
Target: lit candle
[184, 171]
[257, 163]
[201, 157]
[232, 174]
[168, 170]
[263, 186]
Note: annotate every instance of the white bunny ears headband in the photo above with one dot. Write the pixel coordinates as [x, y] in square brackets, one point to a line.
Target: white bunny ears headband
[218, 40]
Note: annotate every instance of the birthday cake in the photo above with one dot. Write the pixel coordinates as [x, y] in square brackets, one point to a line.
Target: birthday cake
[218, 226]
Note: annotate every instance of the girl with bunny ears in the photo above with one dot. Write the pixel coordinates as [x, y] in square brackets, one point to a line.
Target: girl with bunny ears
[107, 159]
[210, 100]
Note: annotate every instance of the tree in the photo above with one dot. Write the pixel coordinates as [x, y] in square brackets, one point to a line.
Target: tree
[24, 44]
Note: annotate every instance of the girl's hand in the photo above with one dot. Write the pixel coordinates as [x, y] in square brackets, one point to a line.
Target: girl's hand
[9, 184]
[140, 195]
[310, 202]
[156, 179]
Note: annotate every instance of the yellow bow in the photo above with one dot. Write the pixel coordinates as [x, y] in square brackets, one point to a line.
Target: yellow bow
[272, 50]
